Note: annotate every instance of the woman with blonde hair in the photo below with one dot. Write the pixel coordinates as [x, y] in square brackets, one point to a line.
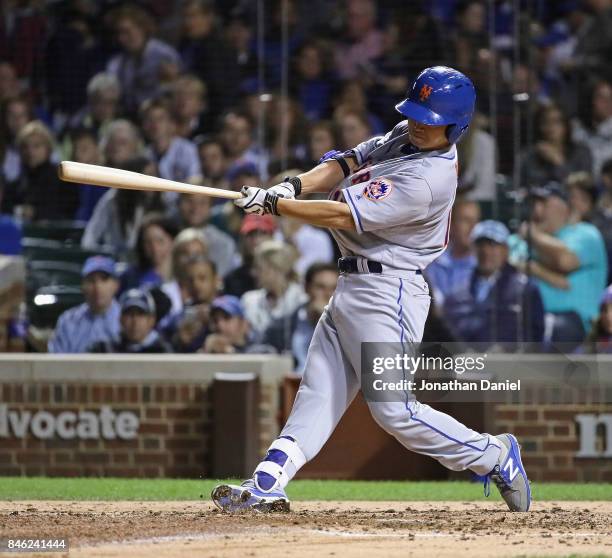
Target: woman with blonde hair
[279, 294]
[38, 194]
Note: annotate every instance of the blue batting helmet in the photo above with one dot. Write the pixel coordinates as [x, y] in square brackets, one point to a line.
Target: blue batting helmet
[441, 96]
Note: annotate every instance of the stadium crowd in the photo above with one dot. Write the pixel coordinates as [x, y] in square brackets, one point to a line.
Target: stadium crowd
[209, 92]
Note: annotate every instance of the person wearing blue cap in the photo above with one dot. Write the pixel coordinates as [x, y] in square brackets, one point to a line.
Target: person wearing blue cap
[97, 319]
[499, 304]
[138, 333]
[230, 329]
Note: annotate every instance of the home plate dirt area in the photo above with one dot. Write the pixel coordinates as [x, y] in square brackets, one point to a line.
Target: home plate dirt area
[437, 529]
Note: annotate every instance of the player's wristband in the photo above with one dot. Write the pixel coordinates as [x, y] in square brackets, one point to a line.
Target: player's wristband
[346, 170]
[296, 183]
[271, 203]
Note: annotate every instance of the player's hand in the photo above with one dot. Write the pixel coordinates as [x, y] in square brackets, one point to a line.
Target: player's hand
[284, 190]
[257, 200]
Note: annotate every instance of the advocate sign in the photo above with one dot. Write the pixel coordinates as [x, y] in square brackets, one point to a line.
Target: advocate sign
[67, 425]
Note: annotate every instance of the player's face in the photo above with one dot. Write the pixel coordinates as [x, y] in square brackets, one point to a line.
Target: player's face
[426, 137]
[136, 324]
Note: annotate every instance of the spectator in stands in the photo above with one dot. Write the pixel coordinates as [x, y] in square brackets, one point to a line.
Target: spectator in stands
[229, 329]
[206, 53]
[279, 294]
[255, 229]
[237, 138]
[354, 128]
[363, 41]
[38, 194]
[97, 319]
[188, 102]
[478, 154]
[213, 162]
[145, 63]
[471, 41]
[595, 128]
[10, 231]
[191, 326]
[294, 334]
[153, 254]
[499, 305]
[176, 157]
[352, 98]
[138, 334]
[194, 211]
[455, 266]
[569, 263]
[9, 83]
[287, 124]
[313, 83]
[321, 139]
[594, 43]
[602, 217]
[188, 244]
[103, 96]
[16, 113]
[554, 155]
[85, 150]
[118, 215]
[582, 196]
[121, 142]
[239, 33]
[600, 338]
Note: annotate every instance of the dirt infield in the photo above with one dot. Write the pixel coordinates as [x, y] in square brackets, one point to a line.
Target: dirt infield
[181, 529]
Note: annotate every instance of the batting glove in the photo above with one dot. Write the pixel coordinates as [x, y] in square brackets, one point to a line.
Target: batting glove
[289, 188]
[257, 200]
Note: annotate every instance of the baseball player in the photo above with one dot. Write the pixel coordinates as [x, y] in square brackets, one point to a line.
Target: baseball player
[389, 206]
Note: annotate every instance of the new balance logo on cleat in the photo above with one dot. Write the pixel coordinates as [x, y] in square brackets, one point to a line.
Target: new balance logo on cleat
[511, 469]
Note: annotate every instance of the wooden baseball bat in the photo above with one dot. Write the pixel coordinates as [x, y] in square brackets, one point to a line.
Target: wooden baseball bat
[83, 173]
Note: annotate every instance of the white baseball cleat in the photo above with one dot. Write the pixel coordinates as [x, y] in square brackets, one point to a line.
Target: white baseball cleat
[509, 476]
[235, 498]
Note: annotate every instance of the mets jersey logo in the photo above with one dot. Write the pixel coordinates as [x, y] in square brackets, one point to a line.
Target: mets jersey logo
[378, 189]
[425, 92]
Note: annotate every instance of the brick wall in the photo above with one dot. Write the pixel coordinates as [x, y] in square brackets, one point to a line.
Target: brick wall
[173, 438]
[549, 436]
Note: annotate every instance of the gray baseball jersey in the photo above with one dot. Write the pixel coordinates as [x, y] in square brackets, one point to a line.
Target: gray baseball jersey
[400, 200]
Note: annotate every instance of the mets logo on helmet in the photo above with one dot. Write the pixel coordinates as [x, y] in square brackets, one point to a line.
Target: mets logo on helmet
[378, 189]
[425, 92]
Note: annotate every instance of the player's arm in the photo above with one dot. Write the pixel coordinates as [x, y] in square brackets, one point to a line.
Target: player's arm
[323, 177]
[323, 213]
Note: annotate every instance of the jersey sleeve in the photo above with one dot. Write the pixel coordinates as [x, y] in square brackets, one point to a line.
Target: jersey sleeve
[388, 201]
[363, 150]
